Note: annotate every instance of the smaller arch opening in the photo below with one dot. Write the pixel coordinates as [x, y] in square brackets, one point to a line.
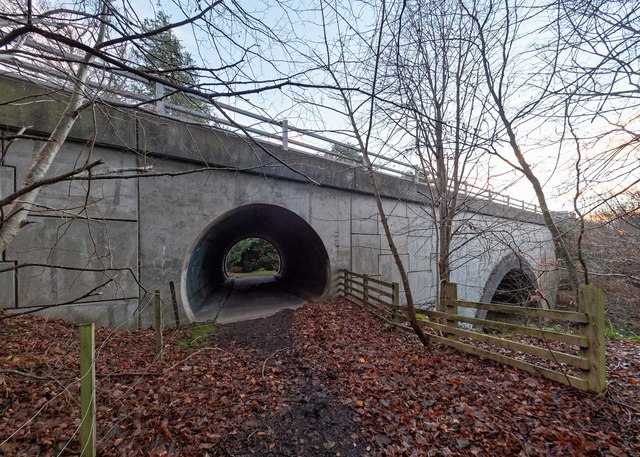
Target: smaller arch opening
[250, 257]
[516, 289]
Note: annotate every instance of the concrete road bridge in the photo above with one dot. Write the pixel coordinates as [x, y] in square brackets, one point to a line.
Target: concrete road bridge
[98, 247]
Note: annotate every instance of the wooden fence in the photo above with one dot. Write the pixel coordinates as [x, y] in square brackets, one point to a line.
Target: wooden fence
[576, 359]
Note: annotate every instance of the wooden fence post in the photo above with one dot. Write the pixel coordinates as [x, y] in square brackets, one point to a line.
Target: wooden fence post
[450, 294]
[395, 301]
[138, 314]
[348, 285]
[365, 289]
[591, 299]
[174, 302]
[87, 391]
[157, 308]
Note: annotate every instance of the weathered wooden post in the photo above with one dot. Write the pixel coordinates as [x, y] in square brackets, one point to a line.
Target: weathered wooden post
[347, 278]
[174, 302]
[450, 294]
[87, 391]
[365, 289]
[591, 301]
[395, 302]
[157, 308]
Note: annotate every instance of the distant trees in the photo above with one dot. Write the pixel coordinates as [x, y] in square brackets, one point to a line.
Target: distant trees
[347, 154]
[608, 242]
[253, 254]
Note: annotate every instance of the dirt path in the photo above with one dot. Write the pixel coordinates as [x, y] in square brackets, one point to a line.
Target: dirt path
[313, 422]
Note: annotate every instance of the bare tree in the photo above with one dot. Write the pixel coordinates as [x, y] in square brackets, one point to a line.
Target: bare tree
[436, 69]
[606, 241]
[354, 57]
[600, 80]
[16, 217]
[520, 78]
[44, 43]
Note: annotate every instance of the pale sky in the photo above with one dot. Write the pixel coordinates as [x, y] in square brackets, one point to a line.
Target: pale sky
[555, 167]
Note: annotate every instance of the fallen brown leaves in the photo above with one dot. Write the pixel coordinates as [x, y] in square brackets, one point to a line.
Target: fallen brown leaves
[412, 402]
[329, 381]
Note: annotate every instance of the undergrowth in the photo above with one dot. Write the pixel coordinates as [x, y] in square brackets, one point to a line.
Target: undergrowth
[196, 335]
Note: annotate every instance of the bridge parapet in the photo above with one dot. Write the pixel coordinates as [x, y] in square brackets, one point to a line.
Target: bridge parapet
[153, 137]
[271, 134]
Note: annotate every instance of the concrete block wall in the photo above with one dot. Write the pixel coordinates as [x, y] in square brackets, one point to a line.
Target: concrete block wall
[81, 243]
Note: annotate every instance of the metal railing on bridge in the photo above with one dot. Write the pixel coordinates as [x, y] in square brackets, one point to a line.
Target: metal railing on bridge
[112, 85]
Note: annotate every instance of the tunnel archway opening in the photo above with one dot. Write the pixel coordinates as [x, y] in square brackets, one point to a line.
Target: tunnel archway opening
[511, 282]
[209, 292]
[516, 289]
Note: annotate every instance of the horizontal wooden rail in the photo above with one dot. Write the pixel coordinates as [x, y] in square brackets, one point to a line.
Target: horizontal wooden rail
[543, 353]
[553, 375]
[541, 334]
[349, 282]
[375, 299]
[568, 316]
[369, 278]
[385, 298]
[588, 344]
[536, 370]
[382, 309]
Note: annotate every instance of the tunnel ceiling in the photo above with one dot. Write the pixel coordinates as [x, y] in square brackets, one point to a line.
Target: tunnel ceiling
[516, 270]
[304, 261]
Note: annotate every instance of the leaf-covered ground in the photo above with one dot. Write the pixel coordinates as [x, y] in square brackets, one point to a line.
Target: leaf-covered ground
[327, 379]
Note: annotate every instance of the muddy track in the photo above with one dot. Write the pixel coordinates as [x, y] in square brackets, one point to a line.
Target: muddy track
[314, 422]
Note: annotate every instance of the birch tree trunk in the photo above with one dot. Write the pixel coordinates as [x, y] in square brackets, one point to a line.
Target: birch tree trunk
[16, 217]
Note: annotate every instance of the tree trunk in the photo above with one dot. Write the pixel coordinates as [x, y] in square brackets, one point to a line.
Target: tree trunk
[16, 217]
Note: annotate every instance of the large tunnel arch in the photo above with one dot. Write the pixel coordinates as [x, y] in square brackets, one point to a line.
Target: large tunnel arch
[512, 281]
[304, 268]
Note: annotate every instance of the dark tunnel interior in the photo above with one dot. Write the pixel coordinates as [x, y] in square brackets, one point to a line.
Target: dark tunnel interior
[515, 288]
[304, 266]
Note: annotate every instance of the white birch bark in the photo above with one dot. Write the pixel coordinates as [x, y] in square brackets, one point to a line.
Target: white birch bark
[16, 216]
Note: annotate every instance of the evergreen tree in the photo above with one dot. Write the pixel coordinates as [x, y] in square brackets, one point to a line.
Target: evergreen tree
[163, 55]
[345, 154]
[253, 254]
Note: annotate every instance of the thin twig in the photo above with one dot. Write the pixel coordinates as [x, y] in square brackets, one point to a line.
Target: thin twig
[264, 364]
[24, 374]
